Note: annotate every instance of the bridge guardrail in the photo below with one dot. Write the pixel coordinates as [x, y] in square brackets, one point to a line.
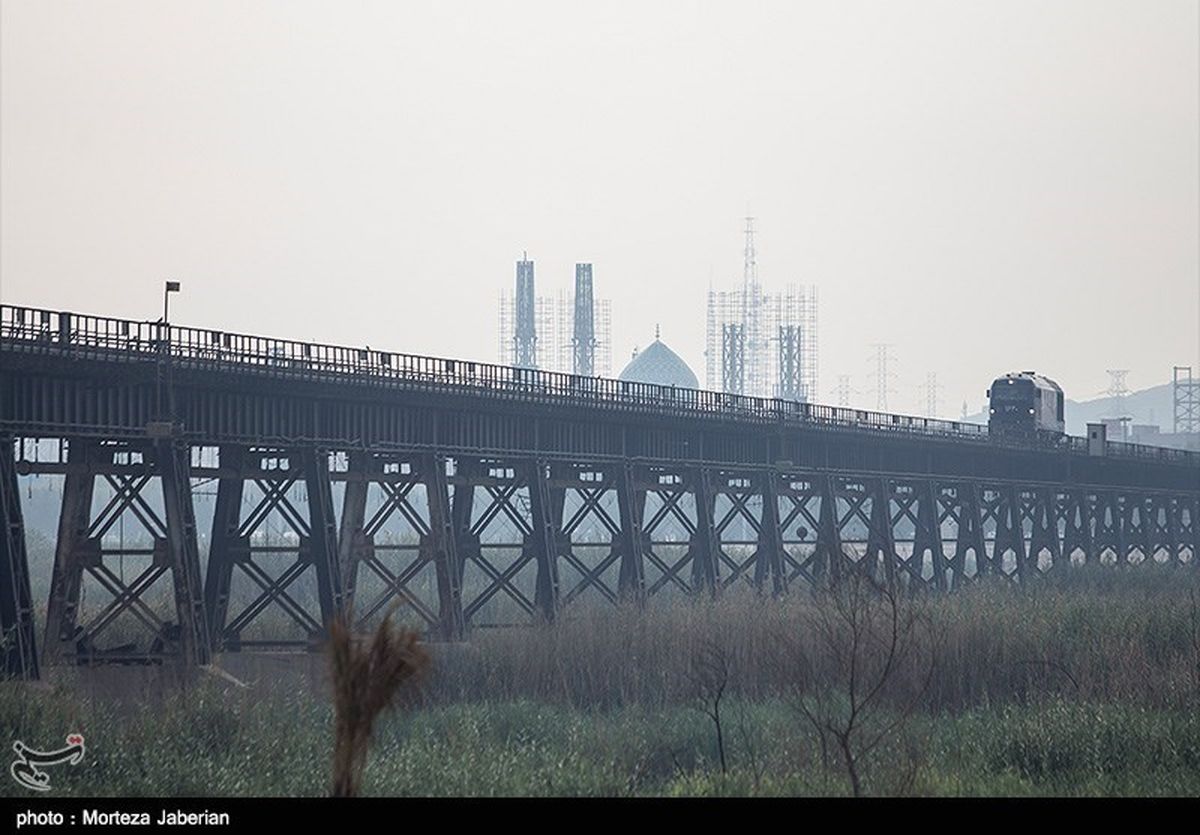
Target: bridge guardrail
[109, 338]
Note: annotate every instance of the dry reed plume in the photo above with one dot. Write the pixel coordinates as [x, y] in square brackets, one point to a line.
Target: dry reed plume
[369, 673]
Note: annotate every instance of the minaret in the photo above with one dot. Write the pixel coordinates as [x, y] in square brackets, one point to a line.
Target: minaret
[753, 360]
[525, 337]
[583, 342]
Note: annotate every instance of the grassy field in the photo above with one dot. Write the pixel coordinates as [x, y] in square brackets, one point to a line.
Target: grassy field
[1084, 685]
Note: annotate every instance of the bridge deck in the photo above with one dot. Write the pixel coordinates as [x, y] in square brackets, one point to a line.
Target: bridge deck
[183, 360]
[474, 493]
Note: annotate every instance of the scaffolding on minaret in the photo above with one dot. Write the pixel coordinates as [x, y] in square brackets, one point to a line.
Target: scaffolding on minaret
[752, 335]
[583, 332]
[525, 333]
[559, 327]
[733, 358]
[772, 351]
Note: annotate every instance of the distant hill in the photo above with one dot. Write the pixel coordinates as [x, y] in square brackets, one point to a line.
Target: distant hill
[1154, 406]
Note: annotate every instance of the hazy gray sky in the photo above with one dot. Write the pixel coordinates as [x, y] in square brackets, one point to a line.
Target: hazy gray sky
[988, 186]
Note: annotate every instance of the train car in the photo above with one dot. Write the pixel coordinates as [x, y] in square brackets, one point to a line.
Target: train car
[1025, 404]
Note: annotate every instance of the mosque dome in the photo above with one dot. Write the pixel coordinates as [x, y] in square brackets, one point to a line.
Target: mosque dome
[661, 366]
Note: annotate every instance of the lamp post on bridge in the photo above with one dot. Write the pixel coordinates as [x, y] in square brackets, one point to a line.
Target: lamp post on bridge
[168, 289]
[162, 426]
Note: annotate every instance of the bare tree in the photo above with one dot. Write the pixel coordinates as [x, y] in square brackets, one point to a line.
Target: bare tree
[751, 738]
[861, 663]
[709, 674]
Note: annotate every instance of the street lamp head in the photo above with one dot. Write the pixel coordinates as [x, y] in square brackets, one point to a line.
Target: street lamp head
[171, 287]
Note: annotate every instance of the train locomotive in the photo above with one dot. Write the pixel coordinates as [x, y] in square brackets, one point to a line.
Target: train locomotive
[1026, 405]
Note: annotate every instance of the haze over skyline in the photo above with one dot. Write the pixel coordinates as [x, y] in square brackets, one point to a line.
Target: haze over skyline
[986, 186]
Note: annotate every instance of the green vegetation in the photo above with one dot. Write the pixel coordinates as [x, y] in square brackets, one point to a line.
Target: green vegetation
[1084, 685]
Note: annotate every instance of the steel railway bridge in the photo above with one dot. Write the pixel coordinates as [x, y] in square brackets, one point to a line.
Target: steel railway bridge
[354, 480]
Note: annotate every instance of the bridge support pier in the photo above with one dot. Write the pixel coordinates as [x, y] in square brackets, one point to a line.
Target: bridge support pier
[1107, 528]
[1045, 538]
[768, 558]
[226, 547]
[1012, 529]
[260, 555]
[354, 545]
[67, 575]
[1120, 529]
[881, 557]
[829, 558]
[179, 532]
[462, 509]
[631, 505]
[380, 566]
[928, 537]
[88, 547]
[323, 536]
[17, 642]
[970, 533]
[444, 551]
[705, 542]
[546, 512]
[1172, 536]
[1141, 531]
[1077, 531]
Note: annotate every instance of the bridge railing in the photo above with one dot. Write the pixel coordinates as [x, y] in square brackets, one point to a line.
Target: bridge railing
[1142, 452]
[103, 337]
[96, 336]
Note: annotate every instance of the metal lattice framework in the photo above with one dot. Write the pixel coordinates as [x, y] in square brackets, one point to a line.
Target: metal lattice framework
[583, 331]
[562, 322]
[19, 651]
[292, 487]
[1185, 392]
[474, 495]
[791, 384]
[525, 353]
[778, 346]
[89, 550]
[733, 358]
